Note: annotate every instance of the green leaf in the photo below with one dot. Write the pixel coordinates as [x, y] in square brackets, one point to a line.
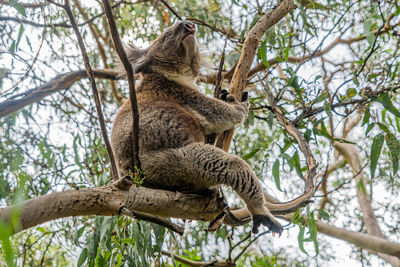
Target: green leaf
[384, 99]
[6, 245]
[29, 43]
[82, 257]
[394, 147]
[294, 82]
[297, 164]
[12, 48]
[262, 53]
[78, 234]
[383, 127]
[20, 8]
[324, 131]
[289, 160]
[300, 239]
[376, 147]
[369, 128]
[367, 116]
[355, 80]
[312, 229]
[251, 154]
[324, 215]
[20, 32]
[361, 186]
[76, 154]
[296, 219]
[275, 173]
[351, 92]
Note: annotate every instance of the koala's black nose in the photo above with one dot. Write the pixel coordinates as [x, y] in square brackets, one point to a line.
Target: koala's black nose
[190, 27]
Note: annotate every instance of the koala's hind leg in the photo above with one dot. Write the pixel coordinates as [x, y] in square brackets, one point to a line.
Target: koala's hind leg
[199, 166]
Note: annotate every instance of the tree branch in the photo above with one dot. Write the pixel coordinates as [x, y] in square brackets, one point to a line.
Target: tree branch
[238, 82]
[365, 241]
[106, 201]
[131, 81]
[371, 223]
[60, 82]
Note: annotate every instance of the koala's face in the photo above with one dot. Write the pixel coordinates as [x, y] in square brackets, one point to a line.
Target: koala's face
[177, 46]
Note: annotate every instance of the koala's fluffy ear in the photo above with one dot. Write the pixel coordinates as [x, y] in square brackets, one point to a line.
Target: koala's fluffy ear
[139, 58]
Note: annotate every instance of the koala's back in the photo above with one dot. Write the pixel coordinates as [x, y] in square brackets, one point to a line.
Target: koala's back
[164, 121]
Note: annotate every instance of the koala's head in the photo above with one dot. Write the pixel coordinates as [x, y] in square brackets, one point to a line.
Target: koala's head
[174, 53]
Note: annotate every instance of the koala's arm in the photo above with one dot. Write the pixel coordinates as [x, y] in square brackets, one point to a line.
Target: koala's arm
[216, 115]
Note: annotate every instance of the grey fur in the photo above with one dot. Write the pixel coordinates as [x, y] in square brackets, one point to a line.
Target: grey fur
[174, 118]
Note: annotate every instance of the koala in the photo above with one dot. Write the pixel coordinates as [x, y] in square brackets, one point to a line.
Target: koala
[174, 120]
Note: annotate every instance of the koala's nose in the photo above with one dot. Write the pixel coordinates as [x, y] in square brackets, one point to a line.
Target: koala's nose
[190, 27]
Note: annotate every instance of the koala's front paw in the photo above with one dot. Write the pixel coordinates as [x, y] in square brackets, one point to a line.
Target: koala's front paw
[226, 96]
[245, 97]
[273, 226]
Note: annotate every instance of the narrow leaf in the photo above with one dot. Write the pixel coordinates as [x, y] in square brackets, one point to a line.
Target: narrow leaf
[394, 147]
[300, 239]
[375, 152]
[297, 164]
[275, 173]
[384, 99]
[82, 257]
[251, 154]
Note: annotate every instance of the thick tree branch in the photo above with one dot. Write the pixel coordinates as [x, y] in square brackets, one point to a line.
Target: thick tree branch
[105, 201]
[110, 201]
[238, 82]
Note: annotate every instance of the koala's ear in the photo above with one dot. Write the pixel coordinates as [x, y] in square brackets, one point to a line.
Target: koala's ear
[139, 58]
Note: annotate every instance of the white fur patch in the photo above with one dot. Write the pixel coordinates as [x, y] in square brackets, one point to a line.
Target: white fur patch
[185, 78]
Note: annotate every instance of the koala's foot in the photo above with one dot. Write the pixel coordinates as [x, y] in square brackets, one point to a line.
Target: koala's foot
[273, 226]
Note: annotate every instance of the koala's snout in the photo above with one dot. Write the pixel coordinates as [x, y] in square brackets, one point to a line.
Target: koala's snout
[190, 27]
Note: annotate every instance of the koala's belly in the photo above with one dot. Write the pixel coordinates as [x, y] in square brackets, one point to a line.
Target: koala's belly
[167, 125]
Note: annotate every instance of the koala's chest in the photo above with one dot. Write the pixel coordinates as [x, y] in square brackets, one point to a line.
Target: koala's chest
[168, 125]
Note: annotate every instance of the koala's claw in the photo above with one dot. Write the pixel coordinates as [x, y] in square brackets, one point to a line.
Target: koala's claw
[274, 227]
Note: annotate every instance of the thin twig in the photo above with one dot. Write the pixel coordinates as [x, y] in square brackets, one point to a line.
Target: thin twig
[249, 244]
[131, 82]
[154, 219]
[171, 9]
[114, 172]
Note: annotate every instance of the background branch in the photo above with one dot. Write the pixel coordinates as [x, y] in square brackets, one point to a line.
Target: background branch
[58, 83]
